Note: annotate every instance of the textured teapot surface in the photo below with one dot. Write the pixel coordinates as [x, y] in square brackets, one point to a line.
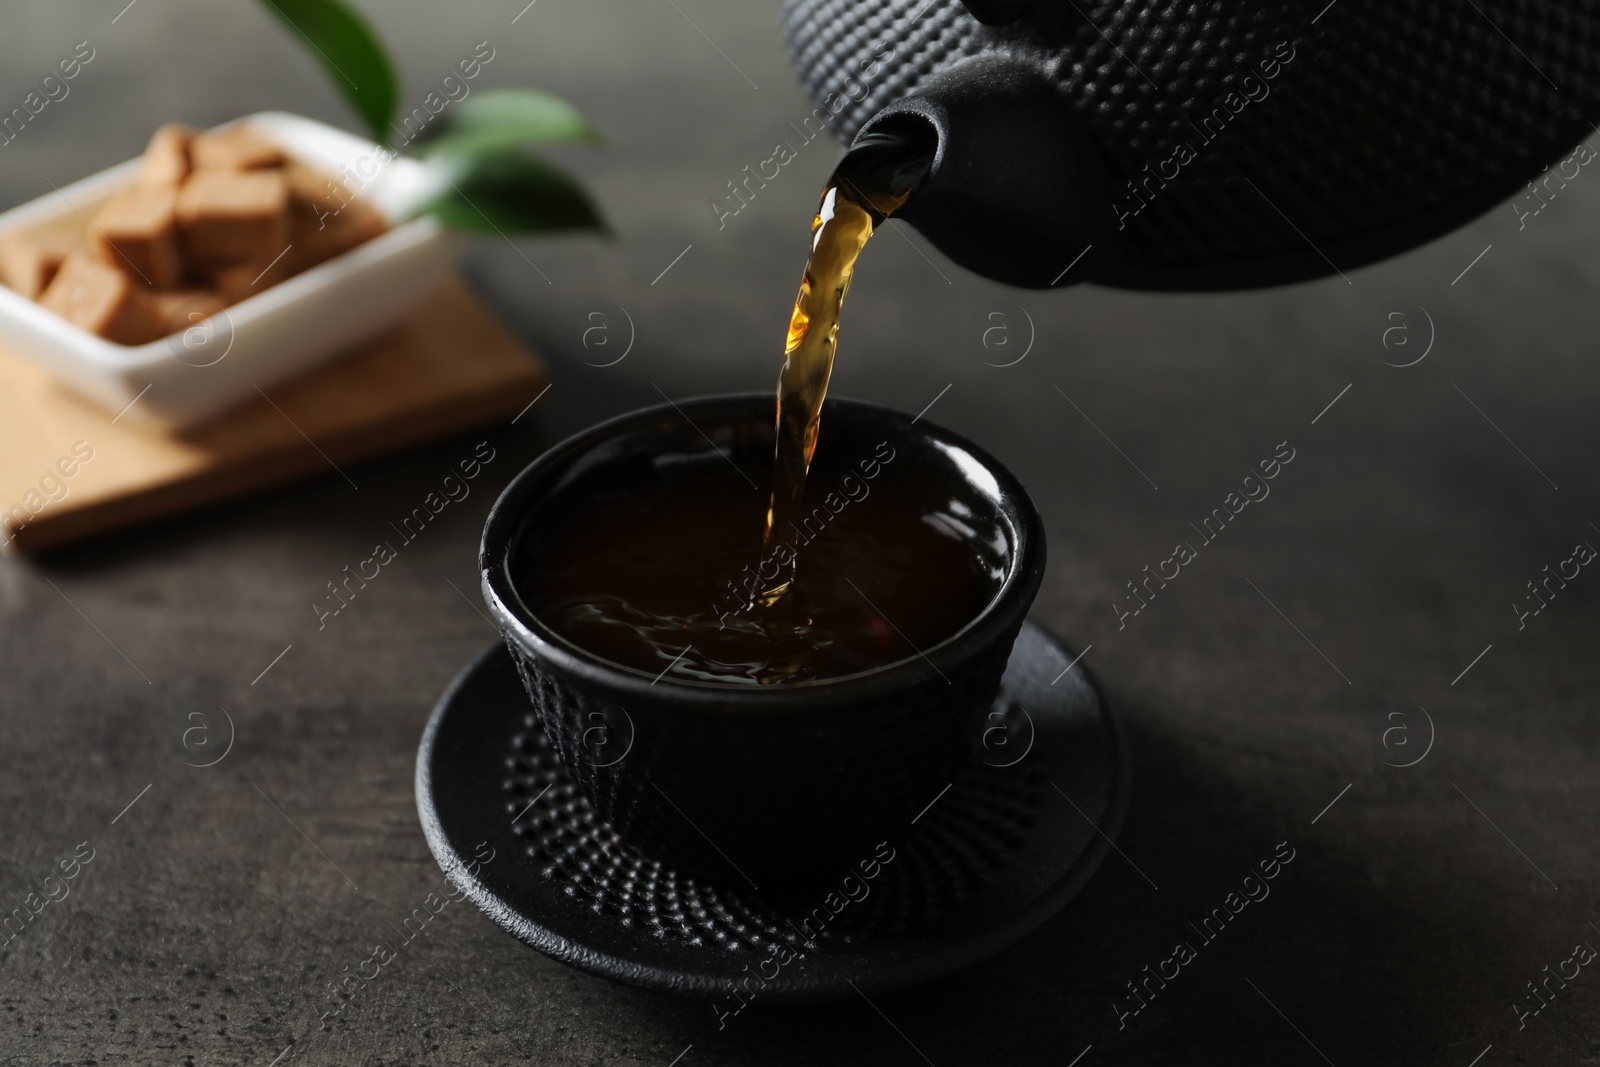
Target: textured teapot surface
[1208, 144]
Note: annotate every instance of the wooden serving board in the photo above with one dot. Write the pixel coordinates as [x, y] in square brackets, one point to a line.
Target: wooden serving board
[453, 365]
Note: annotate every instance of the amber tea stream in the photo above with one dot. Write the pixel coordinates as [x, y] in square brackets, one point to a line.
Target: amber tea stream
[869, 185]
[653, 570]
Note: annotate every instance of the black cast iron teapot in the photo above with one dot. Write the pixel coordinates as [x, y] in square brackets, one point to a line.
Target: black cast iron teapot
[1206, 144]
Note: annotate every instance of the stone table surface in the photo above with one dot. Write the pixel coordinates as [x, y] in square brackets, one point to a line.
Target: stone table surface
[1364, 608]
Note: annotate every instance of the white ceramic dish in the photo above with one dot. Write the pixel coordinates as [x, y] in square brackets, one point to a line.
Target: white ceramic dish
[277, 333]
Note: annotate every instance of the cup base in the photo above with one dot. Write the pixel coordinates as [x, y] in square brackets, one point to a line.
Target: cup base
[988, 860]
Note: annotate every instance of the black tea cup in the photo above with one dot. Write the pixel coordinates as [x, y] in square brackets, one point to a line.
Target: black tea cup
[769, 784]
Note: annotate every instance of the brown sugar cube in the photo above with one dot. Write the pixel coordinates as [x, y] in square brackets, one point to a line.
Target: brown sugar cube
[166, 157]
[101, 299]
[29, 261]
[326, 218]
[234, 284]
[137, 231]
[244, 280]
[330, 235]
[235, 148]
[180, 309]
[229, 217]
[314, 195]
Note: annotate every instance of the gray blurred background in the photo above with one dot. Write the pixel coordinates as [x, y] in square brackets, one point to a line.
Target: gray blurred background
[1255, 689]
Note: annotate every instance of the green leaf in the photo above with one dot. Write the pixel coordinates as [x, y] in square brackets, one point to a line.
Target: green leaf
[509, 192]
[342, 42]
[497, 119]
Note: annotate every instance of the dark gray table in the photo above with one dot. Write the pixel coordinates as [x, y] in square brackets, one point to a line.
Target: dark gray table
[1377, 580]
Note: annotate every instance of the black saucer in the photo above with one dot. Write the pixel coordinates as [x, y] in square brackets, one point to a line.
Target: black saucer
[989, 861]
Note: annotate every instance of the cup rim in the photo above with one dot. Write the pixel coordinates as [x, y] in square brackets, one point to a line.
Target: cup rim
[520, 624]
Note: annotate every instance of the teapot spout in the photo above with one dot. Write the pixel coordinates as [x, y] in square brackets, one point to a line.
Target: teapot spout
[1013, 174]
